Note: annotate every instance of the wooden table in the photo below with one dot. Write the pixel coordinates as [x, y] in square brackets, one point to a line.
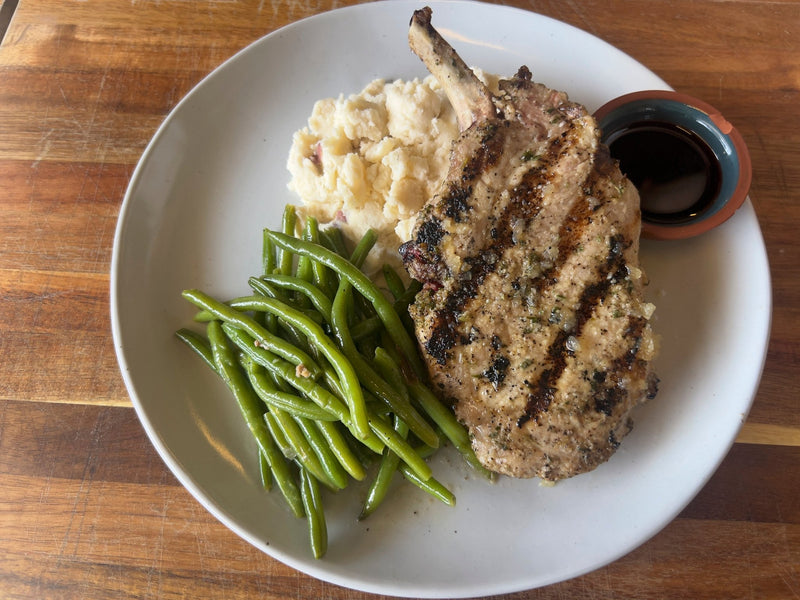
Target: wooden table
[87, 508]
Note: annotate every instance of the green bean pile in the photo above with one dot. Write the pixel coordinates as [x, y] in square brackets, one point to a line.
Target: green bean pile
[326, 372]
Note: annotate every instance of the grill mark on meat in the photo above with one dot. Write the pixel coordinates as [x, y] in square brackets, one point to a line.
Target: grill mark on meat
[492, 136]
[524, 203]
[570, 235]
[488, 152]
[430, 233]
[455, 202]
[609, 395]
[543, 391]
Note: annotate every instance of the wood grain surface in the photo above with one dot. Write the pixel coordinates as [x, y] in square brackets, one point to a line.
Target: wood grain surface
[87, 508]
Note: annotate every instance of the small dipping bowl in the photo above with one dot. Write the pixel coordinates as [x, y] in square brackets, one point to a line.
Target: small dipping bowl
[691, 166]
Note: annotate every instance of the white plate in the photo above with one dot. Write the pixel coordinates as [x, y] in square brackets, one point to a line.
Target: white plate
[214, 174]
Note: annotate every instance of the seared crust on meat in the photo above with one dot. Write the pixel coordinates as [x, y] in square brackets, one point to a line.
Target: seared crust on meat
[531, 318]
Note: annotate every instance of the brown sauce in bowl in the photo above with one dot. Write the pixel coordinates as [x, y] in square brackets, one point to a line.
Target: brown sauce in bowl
[676, 172]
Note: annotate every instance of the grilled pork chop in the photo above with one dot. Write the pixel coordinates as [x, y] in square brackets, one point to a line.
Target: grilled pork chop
[531, 318]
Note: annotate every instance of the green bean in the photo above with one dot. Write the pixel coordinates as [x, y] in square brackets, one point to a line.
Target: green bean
[341, 450]
[393, 281]
[278, 382]
[262, 288]
[369, 378]
[312, 503]
[321, 275]
[290, 403]
[246, 304]
[449, 425]
[318, 298]
[332, 381]
[402, 303]
[199, 344]
[431, 485]
[287, 372]
[251, 408]
[362, 308]
[286, 449]
[305, 270]
[362, 249]
[288, 224]
[268, 263]
[394, 399]
[400, 447]
[441, 415]
[362, 283]
[264, 470]
[303, 452]
[265, 289]
[288, 452]
[365, 455]
[317, 337]
[330, 465]
[228, 368]
[380, 485]
[239, 303]
[270, 321]
[424, 450]
[282, 475]
[304, 273]
[265, 338]
[333, 239]
[251, 304]
[296, 338]
[389, 370]
[366, 328]
[408, 295]
[311, 229]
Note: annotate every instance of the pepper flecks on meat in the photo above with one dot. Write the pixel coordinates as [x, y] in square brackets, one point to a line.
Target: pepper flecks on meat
[456, 202]
[531, 317]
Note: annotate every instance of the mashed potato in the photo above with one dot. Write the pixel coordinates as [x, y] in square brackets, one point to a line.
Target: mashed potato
[371, 160]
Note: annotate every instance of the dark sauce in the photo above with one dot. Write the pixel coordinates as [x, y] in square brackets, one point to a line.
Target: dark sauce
[676, 172]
